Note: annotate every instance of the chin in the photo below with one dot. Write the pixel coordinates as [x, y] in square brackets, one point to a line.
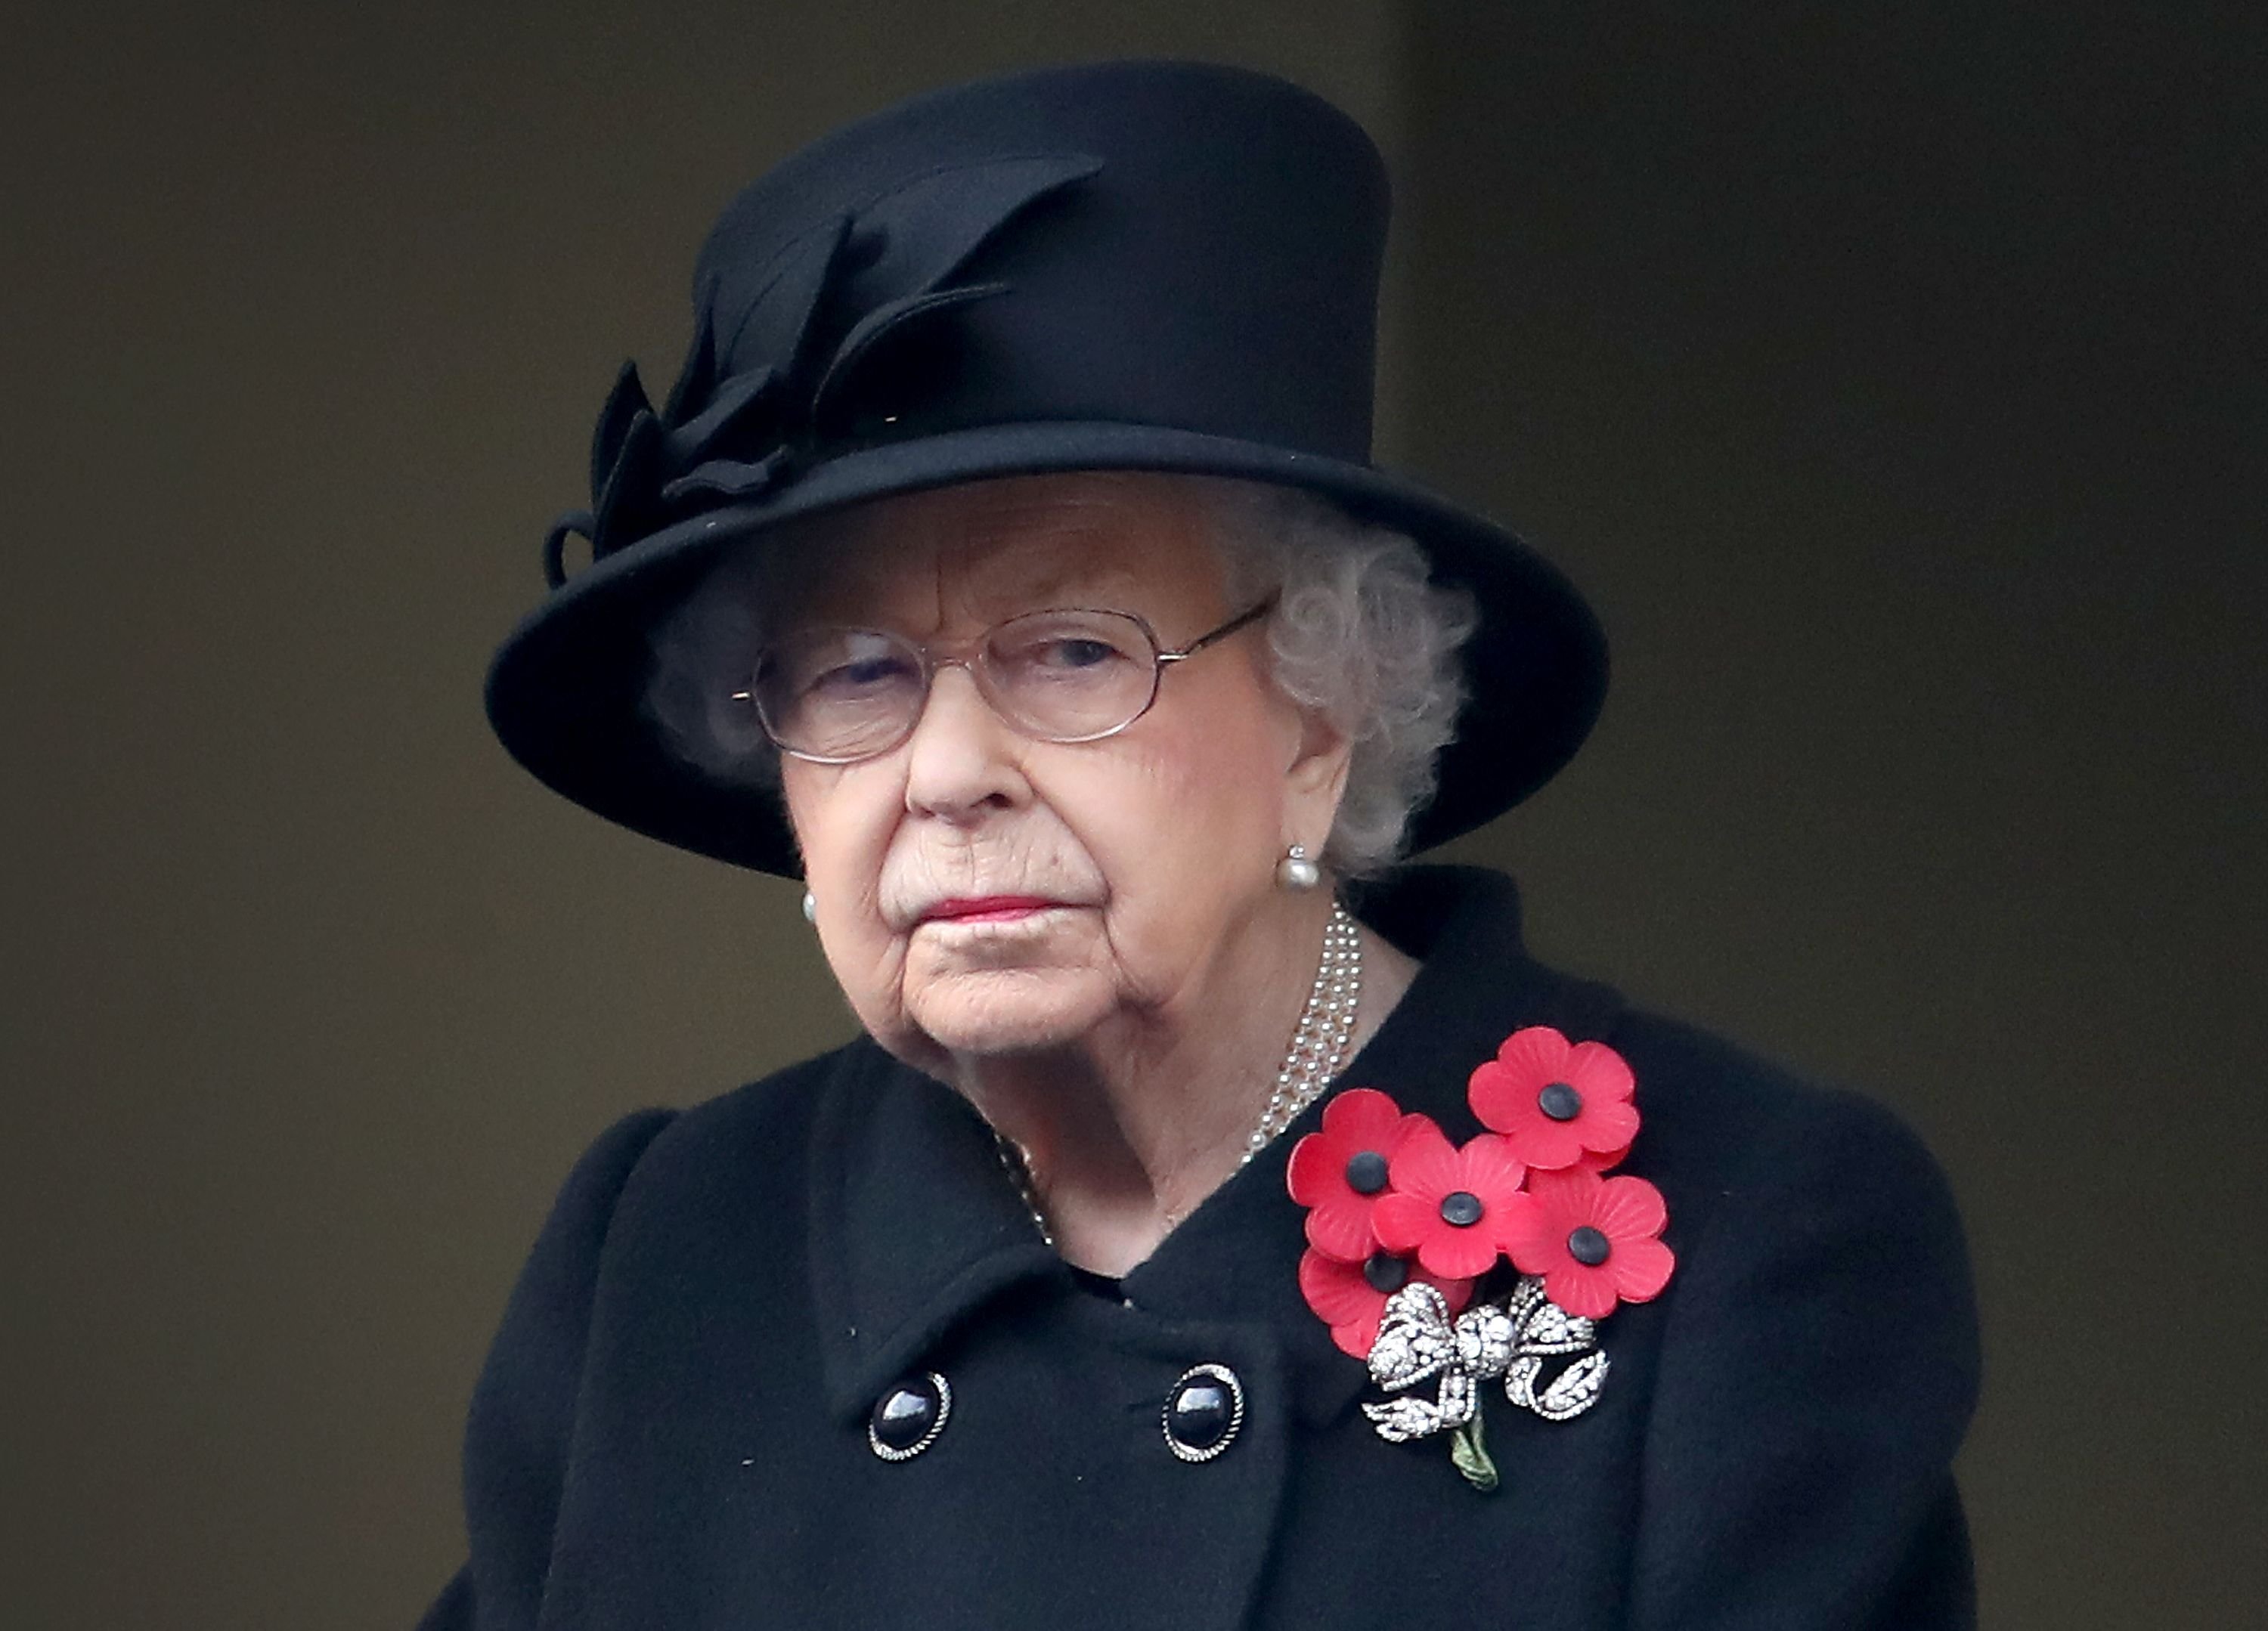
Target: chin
[1004, 1012]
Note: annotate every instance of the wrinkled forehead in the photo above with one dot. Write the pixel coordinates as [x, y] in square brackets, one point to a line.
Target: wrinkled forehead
[986, 550]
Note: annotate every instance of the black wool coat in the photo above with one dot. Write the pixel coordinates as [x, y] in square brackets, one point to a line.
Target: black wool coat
[672, 1428]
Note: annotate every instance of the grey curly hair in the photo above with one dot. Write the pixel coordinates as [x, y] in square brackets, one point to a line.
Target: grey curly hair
[1360, 633]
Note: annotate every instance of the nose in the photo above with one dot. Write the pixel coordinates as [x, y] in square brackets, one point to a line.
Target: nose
[962, 759]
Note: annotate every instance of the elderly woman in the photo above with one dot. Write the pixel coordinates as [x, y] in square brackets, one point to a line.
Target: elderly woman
[1214, 1225]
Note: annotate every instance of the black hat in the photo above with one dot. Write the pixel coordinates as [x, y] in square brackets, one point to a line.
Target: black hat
[1133, 266]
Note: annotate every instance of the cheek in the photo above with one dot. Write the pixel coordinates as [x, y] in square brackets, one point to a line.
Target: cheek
[1191, 824]
[1227, 778]
[844, 817]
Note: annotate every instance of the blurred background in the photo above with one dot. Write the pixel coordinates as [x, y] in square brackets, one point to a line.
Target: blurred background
[1889, 375]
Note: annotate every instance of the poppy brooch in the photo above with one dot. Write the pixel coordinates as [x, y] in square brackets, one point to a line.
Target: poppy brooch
[1406, 1230]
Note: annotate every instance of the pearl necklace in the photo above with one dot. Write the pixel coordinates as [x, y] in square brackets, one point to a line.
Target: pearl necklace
[1319, 1047]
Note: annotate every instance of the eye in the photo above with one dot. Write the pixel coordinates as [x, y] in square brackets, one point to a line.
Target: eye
[857, 674]
[1066, 645]
[839, 665]
[1074, 652]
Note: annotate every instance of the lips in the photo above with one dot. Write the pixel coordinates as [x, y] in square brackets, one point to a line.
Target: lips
[986, 908]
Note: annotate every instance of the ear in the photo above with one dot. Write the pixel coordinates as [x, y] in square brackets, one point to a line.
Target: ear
[1315, 779]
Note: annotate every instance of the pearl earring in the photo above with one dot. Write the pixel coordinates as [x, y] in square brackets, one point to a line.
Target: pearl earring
[810, 907]
[1296, 872]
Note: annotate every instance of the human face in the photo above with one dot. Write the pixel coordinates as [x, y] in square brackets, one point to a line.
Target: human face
[979, 893]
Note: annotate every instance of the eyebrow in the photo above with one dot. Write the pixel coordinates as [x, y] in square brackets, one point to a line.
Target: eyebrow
[842, 549]
[1030, 573]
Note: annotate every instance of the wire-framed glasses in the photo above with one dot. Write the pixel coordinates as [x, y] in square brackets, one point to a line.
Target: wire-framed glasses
[1070, 674]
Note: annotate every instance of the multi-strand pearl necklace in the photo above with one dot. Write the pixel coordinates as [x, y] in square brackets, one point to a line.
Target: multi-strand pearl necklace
[1326, 1026]
[1319, 1047]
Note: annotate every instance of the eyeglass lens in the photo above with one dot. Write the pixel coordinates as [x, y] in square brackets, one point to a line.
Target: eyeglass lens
[1060, 676]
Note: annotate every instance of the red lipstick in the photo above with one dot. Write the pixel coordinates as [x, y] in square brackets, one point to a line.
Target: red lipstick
[986, 908]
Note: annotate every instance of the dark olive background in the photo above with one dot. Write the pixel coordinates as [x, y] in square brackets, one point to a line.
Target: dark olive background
[1890, 374]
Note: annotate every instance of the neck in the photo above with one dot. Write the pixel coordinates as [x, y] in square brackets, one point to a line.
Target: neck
[1124, 1132]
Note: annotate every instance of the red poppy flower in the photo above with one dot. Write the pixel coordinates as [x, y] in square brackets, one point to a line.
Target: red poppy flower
[1592, 1238]
[1557, 1105]
[1447, 1205]
[1351, 1298]
[1341, 1171]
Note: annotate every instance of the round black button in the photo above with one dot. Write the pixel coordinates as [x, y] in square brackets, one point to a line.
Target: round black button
[1589, 1247]
[902, 1416]
[1560, 1102]
[1461, 1208]
[1366, 1172]
[907, 1420]
[1203, 1411]
[1385, 1271]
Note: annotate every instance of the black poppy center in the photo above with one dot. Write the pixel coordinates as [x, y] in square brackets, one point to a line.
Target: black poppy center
[1366, 1172]
[1589, 1246]
[1560, 1102]
[1461, 1208]
[1385, 1271]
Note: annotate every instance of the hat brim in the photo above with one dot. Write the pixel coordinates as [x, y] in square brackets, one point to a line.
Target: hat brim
[566, 693]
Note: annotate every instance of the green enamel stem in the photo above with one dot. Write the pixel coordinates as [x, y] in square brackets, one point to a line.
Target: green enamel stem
[1472, 1456]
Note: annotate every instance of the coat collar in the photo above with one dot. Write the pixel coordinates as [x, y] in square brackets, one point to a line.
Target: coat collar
[916, 1227]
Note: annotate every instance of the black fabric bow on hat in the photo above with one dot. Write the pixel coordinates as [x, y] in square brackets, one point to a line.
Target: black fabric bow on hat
[824, 309]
